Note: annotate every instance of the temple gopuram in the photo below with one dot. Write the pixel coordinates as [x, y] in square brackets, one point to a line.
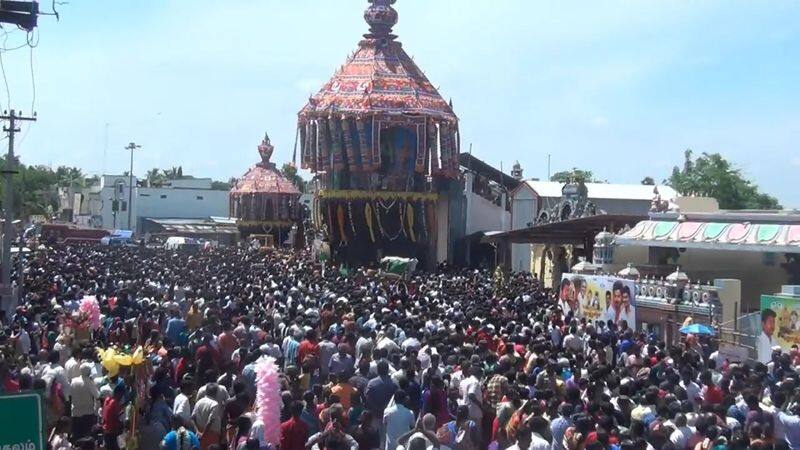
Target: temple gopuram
[383, 146]
[263, 201]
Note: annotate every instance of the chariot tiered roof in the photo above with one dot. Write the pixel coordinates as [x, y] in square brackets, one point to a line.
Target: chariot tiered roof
[379, 77]
[378, 88]
[264, 177]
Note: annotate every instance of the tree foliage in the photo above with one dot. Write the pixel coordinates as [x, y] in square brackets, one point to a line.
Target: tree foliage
[711, 175]
[290, 172]
[648, 181]
[36, 187]
[158, 177]
[221, 185]
[575, 175]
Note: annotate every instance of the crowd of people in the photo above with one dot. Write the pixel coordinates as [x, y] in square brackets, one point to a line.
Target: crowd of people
[448, 359]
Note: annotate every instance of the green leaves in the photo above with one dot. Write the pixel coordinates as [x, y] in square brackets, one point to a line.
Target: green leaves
[711, 175]
[290, 172]
[575, 175]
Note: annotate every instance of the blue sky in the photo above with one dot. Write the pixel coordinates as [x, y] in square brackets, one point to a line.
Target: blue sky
[620, 88]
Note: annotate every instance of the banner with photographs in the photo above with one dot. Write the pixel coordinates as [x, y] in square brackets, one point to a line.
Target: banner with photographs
[598, 297]
[780, 325]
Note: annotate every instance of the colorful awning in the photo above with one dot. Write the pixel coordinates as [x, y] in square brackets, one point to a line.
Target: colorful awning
[741, 236]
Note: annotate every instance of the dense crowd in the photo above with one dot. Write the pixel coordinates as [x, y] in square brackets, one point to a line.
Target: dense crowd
[448, 359]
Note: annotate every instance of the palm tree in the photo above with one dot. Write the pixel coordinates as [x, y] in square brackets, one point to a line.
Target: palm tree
[175, 173]
[155, 177]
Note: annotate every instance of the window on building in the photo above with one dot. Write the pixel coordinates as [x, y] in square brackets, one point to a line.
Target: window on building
[124, 206]
[163, 195]
[199, 197]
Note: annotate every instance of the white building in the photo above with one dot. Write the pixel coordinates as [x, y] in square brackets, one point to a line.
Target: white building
[533, 198]
[107, 204]
[484, 208]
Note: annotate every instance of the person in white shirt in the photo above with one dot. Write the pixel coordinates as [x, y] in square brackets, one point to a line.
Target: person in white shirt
[680, 437]
[84, 395]
[765, 340]
[524, 439]
[207, 416]
[471, 394]
[54, 372]
[397, 420]
[182, 406]
[539, 428]
[22, 341]
[72, 366]
[426, 430]
[692, 389]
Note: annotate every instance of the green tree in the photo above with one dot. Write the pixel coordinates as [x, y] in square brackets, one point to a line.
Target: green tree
[35, 189]
[70, 177]
[648, 181]
[711, 175]
[220, 185]
[290, 172]
[174, 173]
[93, 180]
[574, 175]
[155, 177]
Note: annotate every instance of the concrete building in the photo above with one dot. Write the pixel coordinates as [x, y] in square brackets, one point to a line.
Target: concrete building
[487, 209]
[534, 202]
[106, 205]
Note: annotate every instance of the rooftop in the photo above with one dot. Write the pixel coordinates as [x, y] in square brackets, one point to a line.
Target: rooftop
[605, 190]
[264, 177]
[379, 77]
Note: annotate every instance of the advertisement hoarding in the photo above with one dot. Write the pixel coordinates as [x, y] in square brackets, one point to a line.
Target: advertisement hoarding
[780, 325]
[598, 297]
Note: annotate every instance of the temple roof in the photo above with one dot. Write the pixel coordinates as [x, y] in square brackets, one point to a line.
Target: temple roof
[379, 77]
[264, 177]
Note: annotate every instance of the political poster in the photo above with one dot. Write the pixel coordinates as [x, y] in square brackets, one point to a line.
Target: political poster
[598, 297]
[780, 325]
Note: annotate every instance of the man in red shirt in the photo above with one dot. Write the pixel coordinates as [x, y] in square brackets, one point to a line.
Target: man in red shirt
[228, 343]
[309, 350]
[206, 357]
[113, 409]
[294, 432]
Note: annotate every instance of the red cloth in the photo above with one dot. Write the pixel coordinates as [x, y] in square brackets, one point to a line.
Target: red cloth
[208, 439]
[227, 344]
[294, 434]
[307, 348]
[112, 410]
[713, 395]
[11, 386]
[207, 357]
[180, 369]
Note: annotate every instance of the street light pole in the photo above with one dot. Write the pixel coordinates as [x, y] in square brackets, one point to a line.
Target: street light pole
[132, 146]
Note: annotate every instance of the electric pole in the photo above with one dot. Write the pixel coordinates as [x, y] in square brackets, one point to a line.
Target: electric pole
[8, 202]
[132, 146]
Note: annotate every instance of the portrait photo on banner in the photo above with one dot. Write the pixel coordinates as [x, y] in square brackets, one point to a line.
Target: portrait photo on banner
[598, 297]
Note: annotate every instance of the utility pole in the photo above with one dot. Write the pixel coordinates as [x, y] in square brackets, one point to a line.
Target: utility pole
[132, 146]
[548, 167]
[8, 201]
